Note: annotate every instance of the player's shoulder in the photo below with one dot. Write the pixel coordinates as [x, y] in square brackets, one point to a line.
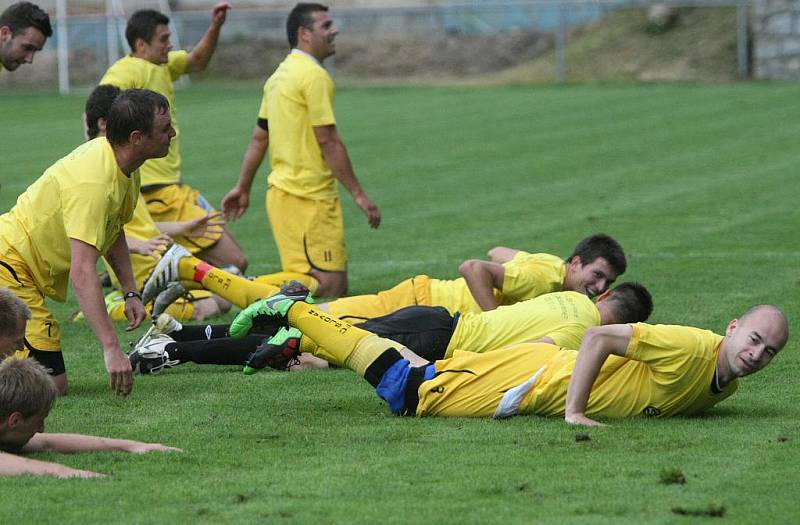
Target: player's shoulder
[671, 335]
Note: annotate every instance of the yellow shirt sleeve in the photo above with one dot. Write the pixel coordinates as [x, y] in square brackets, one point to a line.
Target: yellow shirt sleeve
[263, 112]
[528, 275]
[319, 93]
[177, 63]
[81, 208]
[669, 348]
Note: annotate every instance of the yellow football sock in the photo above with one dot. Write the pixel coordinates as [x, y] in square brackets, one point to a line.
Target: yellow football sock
[336, 341]
[230, 287]
[280, 278]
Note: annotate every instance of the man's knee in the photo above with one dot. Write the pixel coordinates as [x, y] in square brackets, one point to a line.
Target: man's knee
[331, 284]
[209, 307]
[60, 381]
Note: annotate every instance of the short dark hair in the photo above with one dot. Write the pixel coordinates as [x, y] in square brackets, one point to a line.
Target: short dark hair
[142, 24]
[300, 16]
[631, 302]
[97, 106]
[22, 15]
[601, 245]
[133, 109]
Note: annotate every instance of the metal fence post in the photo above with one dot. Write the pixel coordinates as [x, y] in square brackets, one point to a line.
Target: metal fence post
[561, 44]
[62, 51]
[741, 38]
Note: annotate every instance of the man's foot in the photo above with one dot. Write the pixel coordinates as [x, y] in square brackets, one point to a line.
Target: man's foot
[297, 290]
[163, 324]
[166, 324]
[280, 352]
[270, 310]
[149, 355]
[165, 272]
[163, 300]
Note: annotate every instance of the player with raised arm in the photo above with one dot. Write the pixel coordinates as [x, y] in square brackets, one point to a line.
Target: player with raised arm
[153, 65]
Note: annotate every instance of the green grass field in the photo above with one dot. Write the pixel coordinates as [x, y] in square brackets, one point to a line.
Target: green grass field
[699, 183]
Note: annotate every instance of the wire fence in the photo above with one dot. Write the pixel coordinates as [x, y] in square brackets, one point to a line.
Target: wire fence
[453, 39]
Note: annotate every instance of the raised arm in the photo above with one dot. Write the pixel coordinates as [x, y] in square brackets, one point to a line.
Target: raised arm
[501, 254]
[90, 298]
[201, 54]
[482, 278]
[235, 203]
[13, 465]
[598, 343]
[337, 159]
[74, 443]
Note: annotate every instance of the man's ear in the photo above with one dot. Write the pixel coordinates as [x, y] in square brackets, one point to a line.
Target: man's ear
[14, 419]
[135, 138]
[138, 45]
[5, 33]
[731, 327]
[604, 295]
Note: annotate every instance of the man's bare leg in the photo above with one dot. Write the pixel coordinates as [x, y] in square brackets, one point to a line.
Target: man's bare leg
[224, 252]
[331, 284]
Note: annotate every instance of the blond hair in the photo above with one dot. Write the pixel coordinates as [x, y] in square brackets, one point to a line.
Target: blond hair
[25, 387]
[12, 309]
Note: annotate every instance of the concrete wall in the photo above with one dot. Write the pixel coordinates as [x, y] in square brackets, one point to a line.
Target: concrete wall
[776, 34]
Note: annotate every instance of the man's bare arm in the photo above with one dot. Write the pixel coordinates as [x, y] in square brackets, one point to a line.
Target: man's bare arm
[201, 53]
[501, 254]
[13, 465]
[90, 298]
[598, 343]
[337, 159]
[119, 258]
[235, 203]
[482, 278]
[74, 443]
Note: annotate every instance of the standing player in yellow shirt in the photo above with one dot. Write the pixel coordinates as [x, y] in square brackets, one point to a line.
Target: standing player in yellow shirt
[24, 28]
[619, 371]
[152, 65]
[297, 123]
[70, 217]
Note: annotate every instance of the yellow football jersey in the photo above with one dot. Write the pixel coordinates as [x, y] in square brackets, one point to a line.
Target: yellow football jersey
[668, 370]
[131, 72]
[297, 97]
[141, 227]
[83, 196]
[561, 316]
[527, 275]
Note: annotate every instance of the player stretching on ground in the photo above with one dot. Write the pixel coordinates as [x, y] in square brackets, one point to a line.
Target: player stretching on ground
[71, 216]
[619, 371]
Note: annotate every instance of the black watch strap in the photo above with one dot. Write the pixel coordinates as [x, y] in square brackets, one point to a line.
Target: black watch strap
[130, 295]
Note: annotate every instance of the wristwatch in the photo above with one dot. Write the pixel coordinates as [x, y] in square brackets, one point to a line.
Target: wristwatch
[130, 295]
